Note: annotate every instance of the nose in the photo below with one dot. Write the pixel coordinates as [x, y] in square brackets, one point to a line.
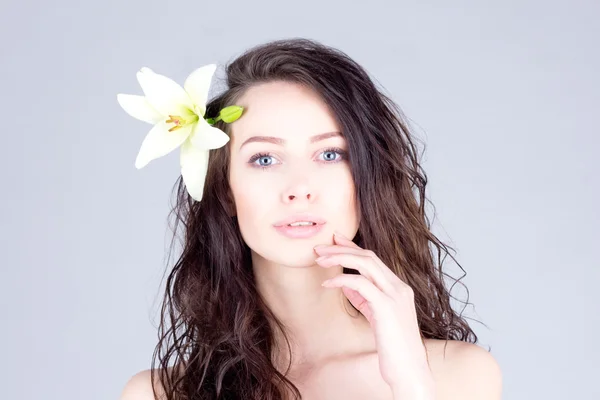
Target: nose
[298, 191]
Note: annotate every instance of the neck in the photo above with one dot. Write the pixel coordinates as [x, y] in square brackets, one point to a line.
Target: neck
[320, 322]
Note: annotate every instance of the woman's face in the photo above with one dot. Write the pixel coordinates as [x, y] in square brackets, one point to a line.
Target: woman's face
[296, 174]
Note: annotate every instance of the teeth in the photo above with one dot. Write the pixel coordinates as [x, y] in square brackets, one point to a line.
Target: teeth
[301, 223]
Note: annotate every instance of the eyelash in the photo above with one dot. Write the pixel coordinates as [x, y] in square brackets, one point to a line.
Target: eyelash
[258, 156]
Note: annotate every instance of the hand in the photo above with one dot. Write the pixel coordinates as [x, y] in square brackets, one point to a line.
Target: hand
[388, 304]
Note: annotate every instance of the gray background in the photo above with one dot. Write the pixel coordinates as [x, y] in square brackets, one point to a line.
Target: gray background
[505, 94]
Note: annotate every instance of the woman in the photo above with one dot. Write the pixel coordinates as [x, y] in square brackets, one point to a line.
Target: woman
[317, 146]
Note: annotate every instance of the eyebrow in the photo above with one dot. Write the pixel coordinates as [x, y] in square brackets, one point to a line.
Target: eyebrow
[280, 141]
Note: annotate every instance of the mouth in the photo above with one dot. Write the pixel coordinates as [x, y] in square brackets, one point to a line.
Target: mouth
[299, 230]
[301, 219]
[303, 223]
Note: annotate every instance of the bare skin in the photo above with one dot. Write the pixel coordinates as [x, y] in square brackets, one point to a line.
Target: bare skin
[357, 377]
[355, 373]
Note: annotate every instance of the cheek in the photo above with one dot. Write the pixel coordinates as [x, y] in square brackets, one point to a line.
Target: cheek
[341, 198]
[253, 201]
[338, 189]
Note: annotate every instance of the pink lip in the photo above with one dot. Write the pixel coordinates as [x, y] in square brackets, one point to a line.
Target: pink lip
[300, 217]
[299, 232]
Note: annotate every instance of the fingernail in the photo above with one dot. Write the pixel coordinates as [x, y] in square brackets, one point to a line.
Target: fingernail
[320, 246]
[338, 233]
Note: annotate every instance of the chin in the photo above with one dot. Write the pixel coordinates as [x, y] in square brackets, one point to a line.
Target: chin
[291, 252]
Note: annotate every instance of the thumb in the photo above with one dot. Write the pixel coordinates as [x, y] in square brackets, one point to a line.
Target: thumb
[358, 302]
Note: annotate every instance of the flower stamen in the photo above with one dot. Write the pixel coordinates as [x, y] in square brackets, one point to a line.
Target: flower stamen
[177, 120]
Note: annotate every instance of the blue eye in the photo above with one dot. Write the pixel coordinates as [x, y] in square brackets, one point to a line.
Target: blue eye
[330, 152]
[266, 156]
[260, 156]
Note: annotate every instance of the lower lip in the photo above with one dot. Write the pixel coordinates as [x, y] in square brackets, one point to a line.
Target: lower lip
[299, 232]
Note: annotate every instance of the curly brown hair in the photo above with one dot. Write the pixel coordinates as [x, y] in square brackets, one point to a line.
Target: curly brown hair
[214, 324]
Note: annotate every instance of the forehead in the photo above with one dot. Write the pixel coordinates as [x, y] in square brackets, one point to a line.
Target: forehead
[282, 109]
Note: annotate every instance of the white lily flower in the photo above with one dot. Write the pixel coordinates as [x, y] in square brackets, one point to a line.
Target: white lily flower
[177, 114]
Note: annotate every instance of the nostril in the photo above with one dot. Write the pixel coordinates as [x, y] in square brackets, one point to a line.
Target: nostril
[291, 196]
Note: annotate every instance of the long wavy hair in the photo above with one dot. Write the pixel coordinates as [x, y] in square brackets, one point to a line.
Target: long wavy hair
[215, 328]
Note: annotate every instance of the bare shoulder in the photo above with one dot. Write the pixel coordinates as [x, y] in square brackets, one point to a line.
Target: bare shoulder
[139, 387]
[464, 371]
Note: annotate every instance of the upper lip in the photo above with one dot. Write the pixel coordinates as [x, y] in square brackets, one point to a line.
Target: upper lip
[300, 217]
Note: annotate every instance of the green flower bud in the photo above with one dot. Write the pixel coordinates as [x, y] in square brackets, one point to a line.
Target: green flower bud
[231, 113]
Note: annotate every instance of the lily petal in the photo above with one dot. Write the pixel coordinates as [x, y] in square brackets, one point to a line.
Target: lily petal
[208, 137]
[194, 165]
[164, 94]
[159, 141]
[197, 86]
[139, 108]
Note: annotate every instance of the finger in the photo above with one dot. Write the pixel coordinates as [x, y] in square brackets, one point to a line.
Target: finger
[325, 250]
[353, 247]
[374, 297]
[390, 275]
[337, 248]
[339, 238]
[363, 264]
